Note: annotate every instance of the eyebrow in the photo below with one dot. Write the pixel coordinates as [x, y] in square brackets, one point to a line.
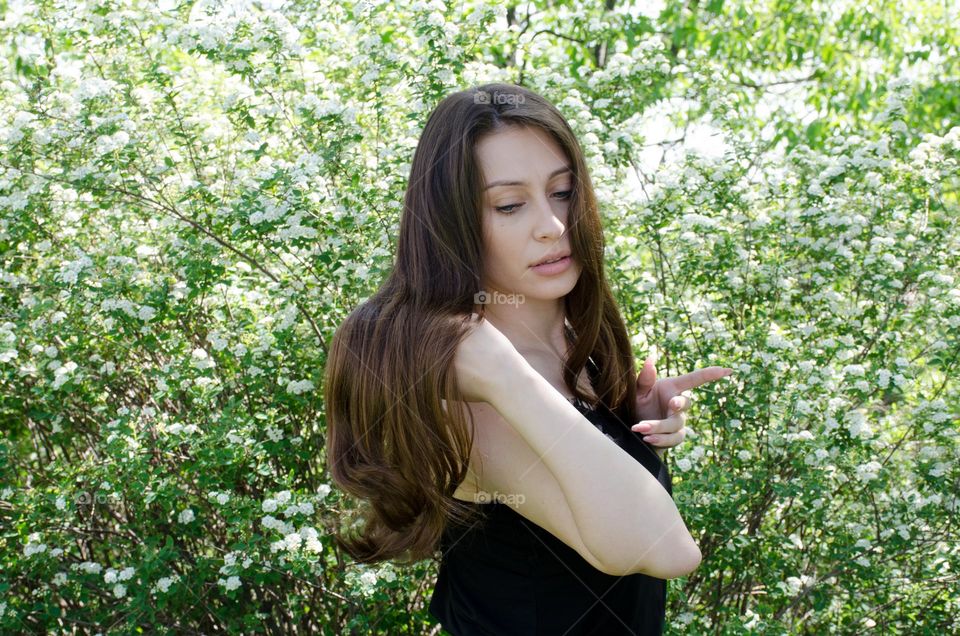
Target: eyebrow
[510, 183]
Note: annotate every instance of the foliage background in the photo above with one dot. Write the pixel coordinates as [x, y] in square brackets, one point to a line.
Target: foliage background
[193, 196]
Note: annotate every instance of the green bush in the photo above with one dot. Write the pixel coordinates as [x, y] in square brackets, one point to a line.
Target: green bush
[191, 203]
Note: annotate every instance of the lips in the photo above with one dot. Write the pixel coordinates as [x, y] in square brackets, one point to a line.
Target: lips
[551, 257]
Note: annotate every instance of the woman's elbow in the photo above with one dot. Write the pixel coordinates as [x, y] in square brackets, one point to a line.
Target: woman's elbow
[689, 561]
[669, 563]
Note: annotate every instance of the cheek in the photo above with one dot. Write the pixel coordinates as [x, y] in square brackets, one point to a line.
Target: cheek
[496, 237]
[503, 251]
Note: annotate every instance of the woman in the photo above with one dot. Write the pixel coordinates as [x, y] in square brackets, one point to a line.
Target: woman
[472, 401]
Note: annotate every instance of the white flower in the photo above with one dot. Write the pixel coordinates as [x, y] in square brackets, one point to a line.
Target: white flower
[868, 472]
[218, 341]
[61, 503]
[684, 464]
[125, 574]
[794, 585]
[91, 87]
[223, 498]
[119, 590]
[436, 20]
[200, 360]
[90, 567]
[883, 378]
[857, 424]
[164, 584]
[299, 386]
[186, 516]
[777, 338]
[293, 541]
[231, 583]
[818, 456]
[145, 251]
[33, 545]
[269, 505]
[311, 539]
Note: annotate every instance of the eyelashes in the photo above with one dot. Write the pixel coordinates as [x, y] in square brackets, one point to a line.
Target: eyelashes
[509, 209]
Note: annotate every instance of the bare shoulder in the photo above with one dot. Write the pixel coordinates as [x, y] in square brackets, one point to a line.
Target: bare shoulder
[505, 469]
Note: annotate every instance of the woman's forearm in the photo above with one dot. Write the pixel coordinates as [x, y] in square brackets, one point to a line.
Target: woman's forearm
[623, 514]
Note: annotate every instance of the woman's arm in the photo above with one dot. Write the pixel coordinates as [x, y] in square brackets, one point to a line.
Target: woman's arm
[622, 513]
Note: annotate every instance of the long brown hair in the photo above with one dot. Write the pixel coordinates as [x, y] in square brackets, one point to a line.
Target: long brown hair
[390, 440]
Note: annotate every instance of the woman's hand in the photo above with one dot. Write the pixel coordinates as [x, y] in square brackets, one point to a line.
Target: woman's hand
[662, 404]
[483, 355]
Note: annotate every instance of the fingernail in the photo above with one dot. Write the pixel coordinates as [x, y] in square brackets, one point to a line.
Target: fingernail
[642, 427]
[651, 439]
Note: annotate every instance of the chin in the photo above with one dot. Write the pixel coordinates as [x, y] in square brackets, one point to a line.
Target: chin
[550, 289]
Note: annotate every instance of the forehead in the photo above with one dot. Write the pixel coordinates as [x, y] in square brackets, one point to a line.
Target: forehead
[515, 153]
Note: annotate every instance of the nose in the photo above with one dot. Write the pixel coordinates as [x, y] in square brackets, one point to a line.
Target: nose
[549, 225]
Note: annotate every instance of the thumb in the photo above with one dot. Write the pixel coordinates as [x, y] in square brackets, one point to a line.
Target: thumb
[648, 376]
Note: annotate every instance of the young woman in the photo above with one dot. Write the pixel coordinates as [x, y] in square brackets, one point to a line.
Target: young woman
[486, 405]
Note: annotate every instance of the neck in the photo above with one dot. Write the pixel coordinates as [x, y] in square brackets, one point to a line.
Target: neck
[534, 326]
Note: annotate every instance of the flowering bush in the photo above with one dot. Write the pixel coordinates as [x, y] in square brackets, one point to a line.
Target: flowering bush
[192, 201]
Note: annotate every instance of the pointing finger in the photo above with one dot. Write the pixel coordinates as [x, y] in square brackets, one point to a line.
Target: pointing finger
[701, 376]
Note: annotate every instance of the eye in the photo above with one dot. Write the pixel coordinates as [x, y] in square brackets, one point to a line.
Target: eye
[509, 209]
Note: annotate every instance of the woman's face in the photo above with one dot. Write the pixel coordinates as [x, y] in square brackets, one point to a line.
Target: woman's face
[525, 204]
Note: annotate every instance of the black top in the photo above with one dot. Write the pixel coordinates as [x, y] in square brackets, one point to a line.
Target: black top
[507, 575]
